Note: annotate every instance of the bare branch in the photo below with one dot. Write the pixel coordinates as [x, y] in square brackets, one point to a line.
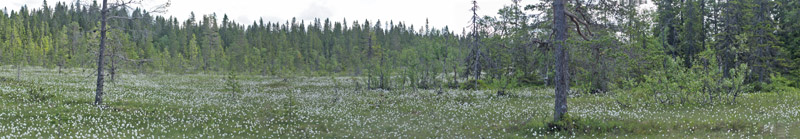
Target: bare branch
[122, 4]
[163, 8]
[130, 4]
[577, 23]
[539, 41]
[122, 17]
[578, 28]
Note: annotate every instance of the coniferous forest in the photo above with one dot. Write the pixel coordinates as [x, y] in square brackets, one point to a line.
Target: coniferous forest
[554, 68]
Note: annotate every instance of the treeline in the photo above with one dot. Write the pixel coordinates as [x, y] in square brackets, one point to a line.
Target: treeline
[683, 51]
[67, 36]
[689, 51]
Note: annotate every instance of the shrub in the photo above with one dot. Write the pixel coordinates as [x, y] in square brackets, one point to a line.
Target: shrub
[779, 84]
[32, 92]
[470, 85]
[573, 125]
[39, 95]
[234, 88]
[378, 78]
[531, 79]
[680, 85]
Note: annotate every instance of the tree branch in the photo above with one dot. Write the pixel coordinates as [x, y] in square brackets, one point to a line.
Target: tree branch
[577, 23]
[539, 41]
[123, 17]
[578, 28]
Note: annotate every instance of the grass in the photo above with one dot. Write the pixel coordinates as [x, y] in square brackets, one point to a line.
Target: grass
[197, 106]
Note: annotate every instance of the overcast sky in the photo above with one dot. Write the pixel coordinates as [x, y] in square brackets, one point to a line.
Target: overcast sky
[452, 13]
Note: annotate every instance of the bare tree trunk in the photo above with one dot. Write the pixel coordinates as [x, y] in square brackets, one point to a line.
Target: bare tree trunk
[141, 70]
[113, 69]
[562, 79]
[599, 73]
[61, 65]
[19, 69]
[475, 48]
[455, 74]
[98, 96]
[444, 71]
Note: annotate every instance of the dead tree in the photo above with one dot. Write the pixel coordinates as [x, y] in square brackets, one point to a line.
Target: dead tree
[104, 18]
[473, 59]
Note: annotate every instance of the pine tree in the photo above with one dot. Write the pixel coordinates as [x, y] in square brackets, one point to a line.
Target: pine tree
[562, 75]
[192, 51]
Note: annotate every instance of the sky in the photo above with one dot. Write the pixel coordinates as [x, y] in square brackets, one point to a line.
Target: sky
[452, 13]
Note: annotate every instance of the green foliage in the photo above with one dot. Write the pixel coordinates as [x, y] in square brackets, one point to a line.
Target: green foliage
[470, 85]
[396, 55]
[780, 84]
[67, 37]
[378, 77]
[39, 95]
[495, 84]
[278, 84]
[30, 93]
[675, 85]
[571, 125]
[529, 80]
[501, 83]
[234, 89]
[288, 109]
[356, 83]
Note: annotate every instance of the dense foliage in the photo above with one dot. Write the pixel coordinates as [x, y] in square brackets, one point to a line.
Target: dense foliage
[686, 68]
[667, 54]
[66, 36]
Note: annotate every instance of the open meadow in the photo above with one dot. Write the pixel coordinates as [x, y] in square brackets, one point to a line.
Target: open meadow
[46, 103]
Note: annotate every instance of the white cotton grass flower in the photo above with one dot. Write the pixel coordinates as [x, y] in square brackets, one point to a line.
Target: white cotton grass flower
[198, 106]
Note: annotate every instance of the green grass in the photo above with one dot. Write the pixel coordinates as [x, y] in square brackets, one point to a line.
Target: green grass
[197, 105]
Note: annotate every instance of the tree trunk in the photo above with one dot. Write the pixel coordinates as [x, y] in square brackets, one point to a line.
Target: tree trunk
[98, 96]
[562, 79]
[598, 73]
[475, 48]
[113, 69]
[455, 75]
[444, 71]
[19, 69]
